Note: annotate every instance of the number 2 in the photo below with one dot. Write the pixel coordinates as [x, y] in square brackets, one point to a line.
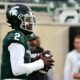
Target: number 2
[17, 35]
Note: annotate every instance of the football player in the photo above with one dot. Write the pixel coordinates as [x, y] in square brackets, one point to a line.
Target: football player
[16, 53]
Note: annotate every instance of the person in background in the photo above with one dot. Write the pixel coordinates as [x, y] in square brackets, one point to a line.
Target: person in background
[34, 42]
[36, 49]
[72, 58]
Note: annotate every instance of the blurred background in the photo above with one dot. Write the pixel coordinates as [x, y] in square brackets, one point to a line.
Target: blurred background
[53, 18]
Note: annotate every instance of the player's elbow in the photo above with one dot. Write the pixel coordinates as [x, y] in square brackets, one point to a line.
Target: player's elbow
[16, 71]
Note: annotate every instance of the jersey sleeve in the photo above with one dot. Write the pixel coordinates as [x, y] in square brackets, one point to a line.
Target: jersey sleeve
[15, 37]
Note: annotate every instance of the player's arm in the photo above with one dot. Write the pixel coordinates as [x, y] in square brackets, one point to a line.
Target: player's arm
[67, 68]
[18, 66]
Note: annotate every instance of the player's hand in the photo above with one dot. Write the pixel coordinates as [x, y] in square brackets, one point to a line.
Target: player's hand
[47, 58]
[48, 61]
[46, 52]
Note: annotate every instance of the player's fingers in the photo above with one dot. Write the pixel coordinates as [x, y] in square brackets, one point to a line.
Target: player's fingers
[51, 60]
[50, 64]
[46, 52]
[50, 56]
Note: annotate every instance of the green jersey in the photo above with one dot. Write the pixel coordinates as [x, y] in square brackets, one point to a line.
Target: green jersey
[14, 36]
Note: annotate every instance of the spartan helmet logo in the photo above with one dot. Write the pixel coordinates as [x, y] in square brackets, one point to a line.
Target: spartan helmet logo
[13, 11]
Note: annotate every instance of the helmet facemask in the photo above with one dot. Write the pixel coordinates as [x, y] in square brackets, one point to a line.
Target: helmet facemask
[27, 21]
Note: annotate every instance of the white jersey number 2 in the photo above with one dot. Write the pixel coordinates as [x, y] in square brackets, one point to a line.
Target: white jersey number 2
[17, 35]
